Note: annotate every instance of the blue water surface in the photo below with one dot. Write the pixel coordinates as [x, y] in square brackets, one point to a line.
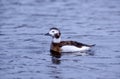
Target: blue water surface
[24, 50]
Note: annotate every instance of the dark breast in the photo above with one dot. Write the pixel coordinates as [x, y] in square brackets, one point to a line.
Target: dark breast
[55, 47]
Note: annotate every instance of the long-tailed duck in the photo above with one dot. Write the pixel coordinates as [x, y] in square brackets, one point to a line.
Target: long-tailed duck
[65, 46]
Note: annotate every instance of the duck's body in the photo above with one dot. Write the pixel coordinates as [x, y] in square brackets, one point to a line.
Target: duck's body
[65, 46]
[69, 46]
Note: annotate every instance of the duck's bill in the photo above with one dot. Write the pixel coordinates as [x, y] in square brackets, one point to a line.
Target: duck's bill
[47, 34]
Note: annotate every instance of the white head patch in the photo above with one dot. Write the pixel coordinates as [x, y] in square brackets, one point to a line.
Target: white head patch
[52, 32]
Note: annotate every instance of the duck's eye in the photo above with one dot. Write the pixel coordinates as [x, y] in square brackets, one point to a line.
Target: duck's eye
[53, 31]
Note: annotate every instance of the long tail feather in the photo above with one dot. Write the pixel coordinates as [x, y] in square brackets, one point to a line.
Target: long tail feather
[92, 45]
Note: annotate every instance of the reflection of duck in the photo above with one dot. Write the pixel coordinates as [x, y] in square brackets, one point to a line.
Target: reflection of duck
[56, 60]
[55, 54]
[65, 46]
[55, 57]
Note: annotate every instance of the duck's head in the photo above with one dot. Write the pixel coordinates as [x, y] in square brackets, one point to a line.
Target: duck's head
[54, 32]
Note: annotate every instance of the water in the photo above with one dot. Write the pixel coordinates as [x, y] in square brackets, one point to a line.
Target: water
[24, 50]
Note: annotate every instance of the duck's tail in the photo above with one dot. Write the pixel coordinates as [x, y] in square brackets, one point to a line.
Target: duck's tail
[92, 45]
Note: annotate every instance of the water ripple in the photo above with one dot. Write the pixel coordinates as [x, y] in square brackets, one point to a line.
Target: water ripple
[24, 50]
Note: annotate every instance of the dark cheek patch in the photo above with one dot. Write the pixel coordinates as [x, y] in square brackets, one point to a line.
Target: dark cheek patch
[57, 35]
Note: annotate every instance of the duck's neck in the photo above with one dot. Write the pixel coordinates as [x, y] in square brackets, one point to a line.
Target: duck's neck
[56, 40]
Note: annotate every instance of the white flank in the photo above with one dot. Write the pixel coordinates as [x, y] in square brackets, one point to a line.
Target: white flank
[68, 48]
